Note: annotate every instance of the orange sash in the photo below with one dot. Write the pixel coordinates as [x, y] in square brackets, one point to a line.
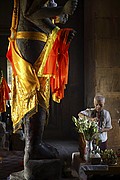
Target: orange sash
[57, 65]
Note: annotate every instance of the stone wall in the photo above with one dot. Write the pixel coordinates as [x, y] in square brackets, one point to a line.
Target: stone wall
[102, 58]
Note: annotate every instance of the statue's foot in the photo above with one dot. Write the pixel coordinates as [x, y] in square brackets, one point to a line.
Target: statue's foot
[49, 146]
[44, 151]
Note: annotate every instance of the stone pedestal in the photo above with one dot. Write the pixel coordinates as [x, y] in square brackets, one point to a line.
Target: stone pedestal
[47, 169]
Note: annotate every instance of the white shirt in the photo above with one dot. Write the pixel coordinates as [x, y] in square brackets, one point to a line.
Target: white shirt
[105, 124]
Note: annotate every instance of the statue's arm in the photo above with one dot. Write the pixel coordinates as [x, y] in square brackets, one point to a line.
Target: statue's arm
[36, 11]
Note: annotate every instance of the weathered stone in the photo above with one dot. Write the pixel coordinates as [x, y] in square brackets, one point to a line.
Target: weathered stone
[108, 80]
[47, 169]
[17, 175]
[2, 135]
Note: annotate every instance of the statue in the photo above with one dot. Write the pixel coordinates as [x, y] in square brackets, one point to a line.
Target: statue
[38, 52]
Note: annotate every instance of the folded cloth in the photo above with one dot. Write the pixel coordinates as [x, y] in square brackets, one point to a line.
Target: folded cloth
[94, 167]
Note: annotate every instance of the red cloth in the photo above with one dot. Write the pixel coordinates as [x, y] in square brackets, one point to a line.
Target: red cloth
[4, 95]
[57, 64]
[9, 57]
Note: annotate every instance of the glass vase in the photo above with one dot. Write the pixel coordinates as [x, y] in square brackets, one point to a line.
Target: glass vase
[89, 148]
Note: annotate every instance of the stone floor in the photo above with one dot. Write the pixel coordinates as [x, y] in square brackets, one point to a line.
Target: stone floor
[12, 161]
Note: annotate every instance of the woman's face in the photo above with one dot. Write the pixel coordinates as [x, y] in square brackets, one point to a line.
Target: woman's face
[98, 105]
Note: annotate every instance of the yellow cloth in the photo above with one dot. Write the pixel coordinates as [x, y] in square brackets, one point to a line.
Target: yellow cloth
[29, 86]
[31, 35]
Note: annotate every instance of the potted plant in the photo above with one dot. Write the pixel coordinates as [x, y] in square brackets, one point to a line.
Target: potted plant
[109, 157]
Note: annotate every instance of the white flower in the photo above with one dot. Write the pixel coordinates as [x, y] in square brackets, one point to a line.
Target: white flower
[86, 126]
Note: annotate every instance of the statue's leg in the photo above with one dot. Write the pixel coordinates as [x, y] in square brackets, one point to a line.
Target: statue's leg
[35, 148]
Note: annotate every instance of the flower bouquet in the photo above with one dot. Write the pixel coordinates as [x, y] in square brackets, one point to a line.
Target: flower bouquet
[88, 127]
[88, 131]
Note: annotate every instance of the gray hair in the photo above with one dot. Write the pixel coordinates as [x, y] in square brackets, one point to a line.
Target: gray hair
[99, 98]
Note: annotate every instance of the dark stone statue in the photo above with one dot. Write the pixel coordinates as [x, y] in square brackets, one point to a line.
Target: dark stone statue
[32, 17]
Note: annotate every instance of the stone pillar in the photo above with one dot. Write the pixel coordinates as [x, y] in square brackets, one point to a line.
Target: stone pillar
[102, 58]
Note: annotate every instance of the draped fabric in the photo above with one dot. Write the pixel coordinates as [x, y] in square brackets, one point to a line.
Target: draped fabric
[31, 83]
[57, 65]
[4, 95]
[28, 90]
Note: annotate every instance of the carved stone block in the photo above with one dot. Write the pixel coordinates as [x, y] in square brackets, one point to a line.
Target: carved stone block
[49, 169]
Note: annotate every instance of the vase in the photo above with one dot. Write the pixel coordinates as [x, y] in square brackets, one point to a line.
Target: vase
[89, 148]
[82, 146]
